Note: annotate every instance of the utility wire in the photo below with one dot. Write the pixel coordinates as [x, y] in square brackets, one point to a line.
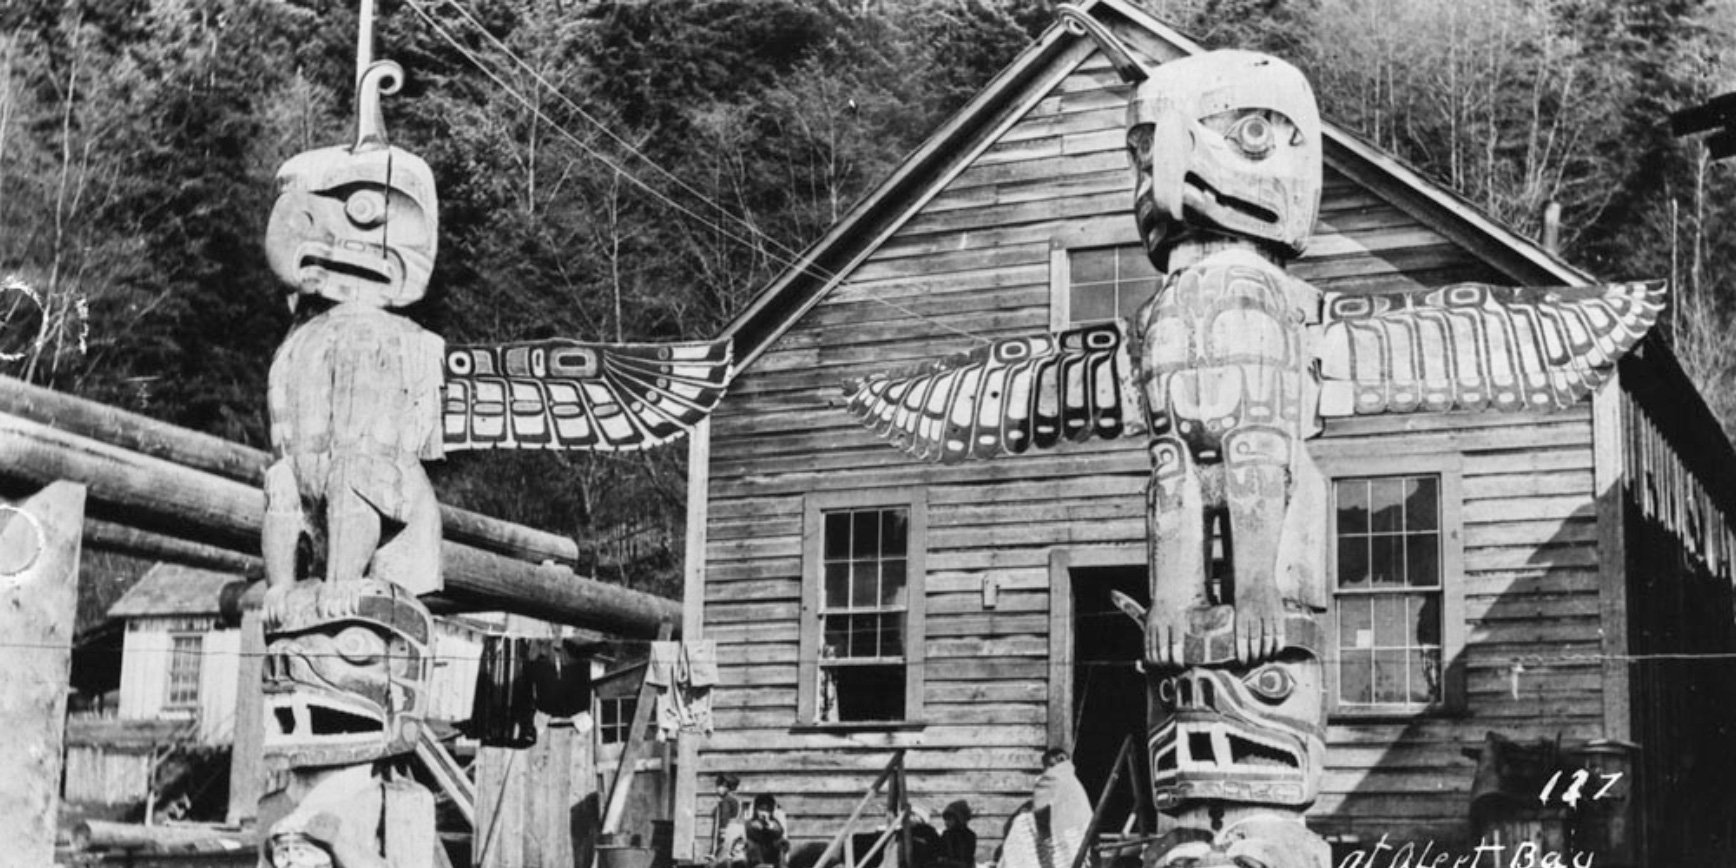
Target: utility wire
[782, 254]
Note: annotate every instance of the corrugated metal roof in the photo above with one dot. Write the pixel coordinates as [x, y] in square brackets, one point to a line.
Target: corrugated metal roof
[173, 589]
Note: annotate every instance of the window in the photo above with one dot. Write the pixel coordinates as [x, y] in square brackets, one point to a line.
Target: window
[614, 718]
[862, 630]
[1395, 580]
[1098, 284]
[184, 655]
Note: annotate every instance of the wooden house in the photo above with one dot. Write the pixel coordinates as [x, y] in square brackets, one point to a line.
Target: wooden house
[863, 601]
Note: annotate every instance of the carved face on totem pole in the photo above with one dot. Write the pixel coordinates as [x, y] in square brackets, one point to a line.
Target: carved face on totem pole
[356, 223]
[346, 688]
[1238, 733]
[1226, 142]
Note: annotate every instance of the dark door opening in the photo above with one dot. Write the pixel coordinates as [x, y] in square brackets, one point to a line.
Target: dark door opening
[1108, 691]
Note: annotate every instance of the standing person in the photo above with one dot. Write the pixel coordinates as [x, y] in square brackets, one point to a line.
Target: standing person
[727, 812]
[957, 843]
[1061, 809]
[768, 841]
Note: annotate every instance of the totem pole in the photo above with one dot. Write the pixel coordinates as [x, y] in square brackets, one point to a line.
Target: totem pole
[359, 397]
[1229, 368]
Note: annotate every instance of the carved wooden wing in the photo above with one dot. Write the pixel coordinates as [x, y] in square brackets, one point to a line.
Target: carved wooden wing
[1471, 346]
[563, 394]
[1009, 396]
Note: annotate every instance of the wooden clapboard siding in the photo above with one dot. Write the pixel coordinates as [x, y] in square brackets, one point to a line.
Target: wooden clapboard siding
[974, 259]
[1531, 597]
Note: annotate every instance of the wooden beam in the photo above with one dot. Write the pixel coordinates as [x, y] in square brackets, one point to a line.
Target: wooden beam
[686, 795]
[133, 432]
[170, 499]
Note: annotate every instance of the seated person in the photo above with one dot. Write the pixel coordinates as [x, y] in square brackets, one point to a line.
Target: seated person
[768, 841]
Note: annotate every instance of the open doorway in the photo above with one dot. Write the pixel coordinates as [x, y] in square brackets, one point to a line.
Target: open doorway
[1108, 691]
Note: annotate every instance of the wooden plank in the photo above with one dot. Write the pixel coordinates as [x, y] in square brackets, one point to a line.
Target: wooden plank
[39, 552]
[1608, 408]
[247, 752]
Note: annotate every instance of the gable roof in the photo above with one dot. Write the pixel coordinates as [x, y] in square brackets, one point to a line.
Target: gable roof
[1008, 97]
[173, 589]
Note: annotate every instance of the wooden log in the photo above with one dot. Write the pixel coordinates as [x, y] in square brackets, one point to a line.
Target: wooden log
[133, 432]
[107, 835]
[247, 755]
[39, 546]
[213, 510]
[115, 537]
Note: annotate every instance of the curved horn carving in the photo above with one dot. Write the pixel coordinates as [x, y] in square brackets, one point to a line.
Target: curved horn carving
[381, 78]
[1079, 21]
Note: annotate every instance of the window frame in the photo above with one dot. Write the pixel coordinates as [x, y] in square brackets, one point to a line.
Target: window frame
[1448, 468]
[815, 505]
[169, 701]
[1061, 274]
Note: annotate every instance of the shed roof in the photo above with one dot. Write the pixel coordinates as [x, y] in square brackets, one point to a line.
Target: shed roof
[173, 589]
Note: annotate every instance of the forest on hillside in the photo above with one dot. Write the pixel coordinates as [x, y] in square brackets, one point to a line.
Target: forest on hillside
[637, 170]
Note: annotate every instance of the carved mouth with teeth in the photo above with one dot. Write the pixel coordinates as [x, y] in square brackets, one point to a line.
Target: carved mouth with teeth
[1199, 188]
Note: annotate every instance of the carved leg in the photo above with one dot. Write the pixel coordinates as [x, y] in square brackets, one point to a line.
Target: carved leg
[1300, 571]
[1175, 534]
[1256, 486]
[353, 529]
[281, 534]
[409, 557]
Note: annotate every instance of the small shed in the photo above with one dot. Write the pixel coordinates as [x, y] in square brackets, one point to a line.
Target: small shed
[178, 661]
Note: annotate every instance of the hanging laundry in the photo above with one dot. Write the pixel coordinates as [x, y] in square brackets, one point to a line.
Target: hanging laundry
[503, 712]
[684, 674]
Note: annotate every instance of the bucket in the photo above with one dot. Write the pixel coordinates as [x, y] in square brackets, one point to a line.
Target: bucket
[621, 850]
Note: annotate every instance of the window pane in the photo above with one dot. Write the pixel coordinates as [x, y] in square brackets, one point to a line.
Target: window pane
[1132, 296]
[865, 636]
[837, 535]
[869, 692]
[1352, 506]
[1390, 624]
[1390, 671]
[1422, 503]
[864, 584]
[1353, 562]
[1422, 560]
[892, 635]
[1355, 623]
[837, 585]
[1091, 303]
[894, 533]
[892, 583]
[1426, 618]
[865, 533]
[1425, 681]
[1386, 505]
[1133, 262]
[1354, 678]
[837, 632]
[1096, 265]
[1386, 560]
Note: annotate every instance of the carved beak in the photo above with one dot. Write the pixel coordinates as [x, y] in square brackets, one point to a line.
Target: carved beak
[1172, 144]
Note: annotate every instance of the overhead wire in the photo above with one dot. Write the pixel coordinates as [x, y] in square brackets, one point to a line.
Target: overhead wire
[779, 252]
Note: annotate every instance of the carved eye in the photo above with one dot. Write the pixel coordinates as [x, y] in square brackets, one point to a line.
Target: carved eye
[1270, 683]
[366, 207]
[359, 645]
[1253, 135]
